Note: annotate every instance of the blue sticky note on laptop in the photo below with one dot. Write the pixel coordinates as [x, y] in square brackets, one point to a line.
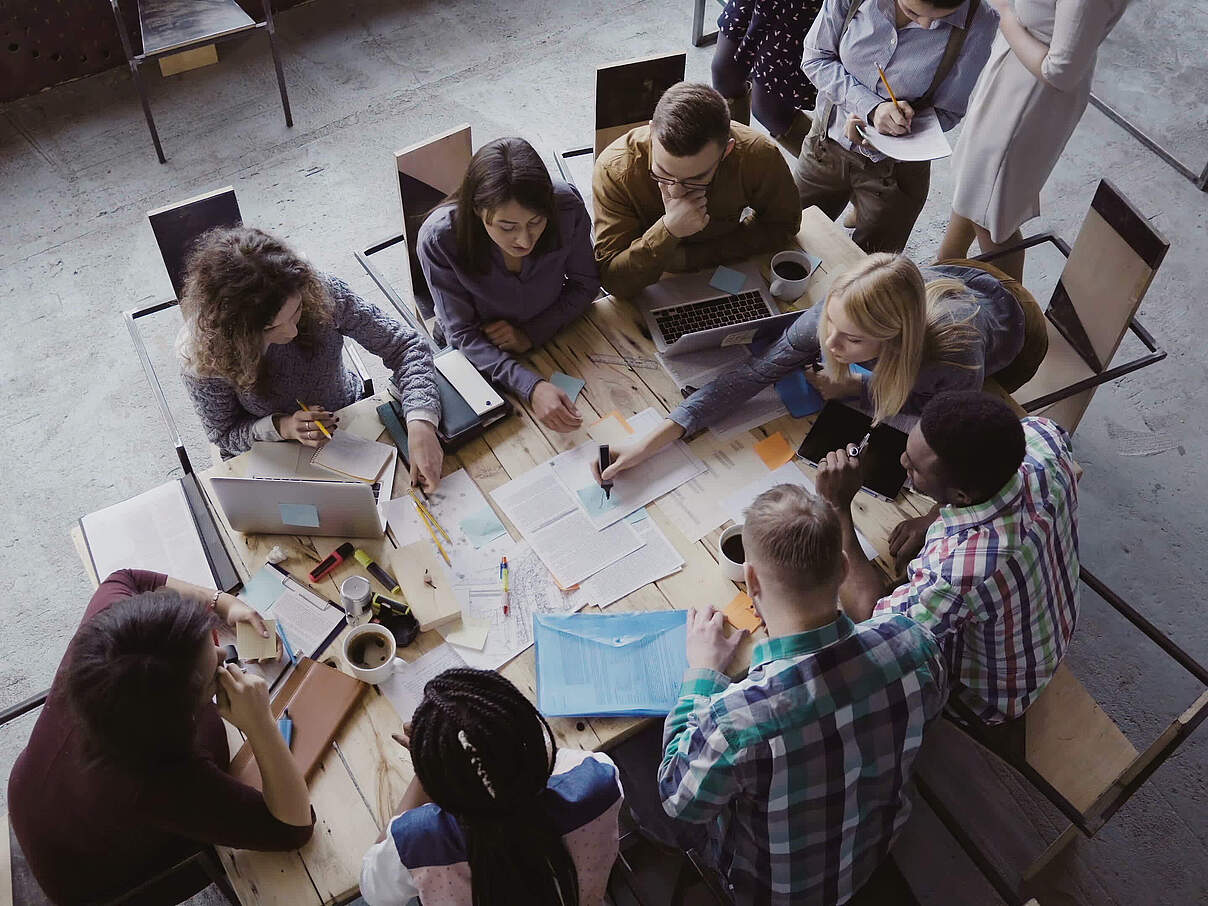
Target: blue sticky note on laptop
[624, 664]
[728, 280]
[571, 386]
[798, 394]
[299, 515]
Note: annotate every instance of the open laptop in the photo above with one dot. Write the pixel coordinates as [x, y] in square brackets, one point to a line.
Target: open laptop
[685, 314]
[300, 506]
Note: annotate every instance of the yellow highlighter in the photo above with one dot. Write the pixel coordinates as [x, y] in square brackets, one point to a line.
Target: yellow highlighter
[306, 408]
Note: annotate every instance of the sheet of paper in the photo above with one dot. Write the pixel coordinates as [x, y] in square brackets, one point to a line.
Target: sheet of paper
[658, 475]
[654, 560]
[362, 419]
[610, 663]
[404, 688]
[482, 527]
[774, 450]
[252, 646]
[740, 613]
[695, 507]
[352, 456]
[153, 531]
[457, 504]
[698, 368]
[611, 429]
[573, 548]
[306, 624]
[760, 409]
[925, 141]
[534, 500]
[728, 280]
[571, 386]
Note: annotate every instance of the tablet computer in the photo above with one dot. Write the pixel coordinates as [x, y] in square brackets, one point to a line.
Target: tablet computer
[838, 425]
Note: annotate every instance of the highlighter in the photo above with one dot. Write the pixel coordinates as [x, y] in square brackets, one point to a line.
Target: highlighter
[377, 572]
[334, 559]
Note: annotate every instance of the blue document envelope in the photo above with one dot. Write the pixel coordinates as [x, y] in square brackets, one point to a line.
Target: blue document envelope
[619, 664]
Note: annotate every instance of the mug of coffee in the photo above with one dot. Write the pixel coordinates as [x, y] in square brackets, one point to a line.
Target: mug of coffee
[790, 272]
[369, 650]
[731, 555]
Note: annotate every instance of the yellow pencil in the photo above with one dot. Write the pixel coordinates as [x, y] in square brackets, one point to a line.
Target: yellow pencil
[892, 96]
[423, 515]
[306, 408]
[429, 516]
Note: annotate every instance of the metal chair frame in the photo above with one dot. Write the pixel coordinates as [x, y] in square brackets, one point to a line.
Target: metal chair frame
[699, 38]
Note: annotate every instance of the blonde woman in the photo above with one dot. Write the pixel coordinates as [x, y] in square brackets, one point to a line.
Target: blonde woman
[265, 330]
[919, 333]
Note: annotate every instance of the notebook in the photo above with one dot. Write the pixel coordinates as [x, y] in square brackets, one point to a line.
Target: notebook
[319, 698]
[352, 456]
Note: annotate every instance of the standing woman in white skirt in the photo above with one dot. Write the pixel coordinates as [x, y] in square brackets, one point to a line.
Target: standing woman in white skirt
[1026, 104]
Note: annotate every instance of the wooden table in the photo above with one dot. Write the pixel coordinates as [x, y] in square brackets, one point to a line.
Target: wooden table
[358, 785]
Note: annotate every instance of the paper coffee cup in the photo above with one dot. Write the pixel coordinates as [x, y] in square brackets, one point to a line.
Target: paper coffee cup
[369, 652]
[728, 549]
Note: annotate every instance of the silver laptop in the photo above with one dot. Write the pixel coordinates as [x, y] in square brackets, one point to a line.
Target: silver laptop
[296, 506]
[685, 314]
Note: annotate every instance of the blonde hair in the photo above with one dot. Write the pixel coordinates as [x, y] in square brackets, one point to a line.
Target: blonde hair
[915, 322]
[796, 534]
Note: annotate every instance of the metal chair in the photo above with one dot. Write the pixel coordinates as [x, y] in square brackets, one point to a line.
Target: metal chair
[1107, 272]
[1071, 751]
[699, 37]
[171, 26]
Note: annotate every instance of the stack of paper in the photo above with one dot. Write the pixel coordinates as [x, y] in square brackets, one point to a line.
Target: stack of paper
[654, 560]
[695, 508]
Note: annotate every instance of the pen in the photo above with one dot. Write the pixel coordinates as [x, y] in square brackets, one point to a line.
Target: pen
[892, 96]
[507, 590]
[319, 424]
[605, 462]
[856, 450]
[334, 559]
[289, 649]
[388, 581]
[285, 724]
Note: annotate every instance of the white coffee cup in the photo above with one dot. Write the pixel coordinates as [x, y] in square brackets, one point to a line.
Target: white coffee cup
[384, 649]
[783, 288]
[730, 568]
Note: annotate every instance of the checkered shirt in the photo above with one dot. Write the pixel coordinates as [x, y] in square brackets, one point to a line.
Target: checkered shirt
[803, 765]
[997, 583]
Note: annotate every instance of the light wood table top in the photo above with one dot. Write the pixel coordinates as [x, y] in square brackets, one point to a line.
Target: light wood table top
[355, 790]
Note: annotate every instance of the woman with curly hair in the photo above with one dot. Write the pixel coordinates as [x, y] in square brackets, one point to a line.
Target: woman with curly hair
[264, 331]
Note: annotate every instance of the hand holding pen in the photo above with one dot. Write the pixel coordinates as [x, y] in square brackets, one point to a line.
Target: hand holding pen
[855, 451]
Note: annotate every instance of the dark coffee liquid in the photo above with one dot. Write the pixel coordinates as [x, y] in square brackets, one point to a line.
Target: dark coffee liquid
[790, 270]
[368, 651]
[732, 548]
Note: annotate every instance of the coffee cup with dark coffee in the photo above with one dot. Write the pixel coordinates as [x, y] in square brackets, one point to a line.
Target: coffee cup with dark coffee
[369, 650]
[790, 272]
[730, 553]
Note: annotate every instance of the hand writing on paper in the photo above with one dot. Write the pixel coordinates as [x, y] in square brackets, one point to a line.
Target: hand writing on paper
[889, 120]
[839, 478]
[709, 647]
[506, 337]
[635, 452]
[301, 426]
[554, 408]
[427, 457]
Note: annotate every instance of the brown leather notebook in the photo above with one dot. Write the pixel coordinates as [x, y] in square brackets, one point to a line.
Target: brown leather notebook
[319, 698]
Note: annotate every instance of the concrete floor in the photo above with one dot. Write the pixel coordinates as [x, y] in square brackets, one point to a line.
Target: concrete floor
[365, 78]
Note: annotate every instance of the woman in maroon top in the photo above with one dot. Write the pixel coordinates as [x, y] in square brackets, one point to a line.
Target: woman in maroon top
[126, 770]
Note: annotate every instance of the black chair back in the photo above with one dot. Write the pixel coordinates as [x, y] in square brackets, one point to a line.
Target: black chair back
[178, 226]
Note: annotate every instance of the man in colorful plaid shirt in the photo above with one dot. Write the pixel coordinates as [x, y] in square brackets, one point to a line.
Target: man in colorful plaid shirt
[801, 767]
[996, 579]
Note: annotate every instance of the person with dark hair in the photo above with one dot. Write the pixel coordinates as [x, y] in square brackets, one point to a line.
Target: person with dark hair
[931, 52]
[993, 568]
[801, 767]
[497, 813]
[125, 773]
[509, 261]
[670, 196]
[264, 330]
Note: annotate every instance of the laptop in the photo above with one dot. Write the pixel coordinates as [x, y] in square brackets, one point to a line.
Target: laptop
[300, 506]
[837, 426]
[685, 314]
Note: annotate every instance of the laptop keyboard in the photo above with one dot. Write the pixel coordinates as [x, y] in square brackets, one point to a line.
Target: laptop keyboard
[722, 311]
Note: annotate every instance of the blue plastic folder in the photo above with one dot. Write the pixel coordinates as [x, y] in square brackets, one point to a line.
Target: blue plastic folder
[612, 664]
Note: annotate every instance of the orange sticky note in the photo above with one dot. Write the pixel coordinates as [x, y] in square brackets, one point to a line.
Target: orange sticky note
[741, 613]
[774, 451]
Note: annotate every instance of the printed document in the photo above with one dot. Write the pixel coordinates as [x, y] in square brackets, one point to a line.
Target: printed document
[654, 560]
[404, 688]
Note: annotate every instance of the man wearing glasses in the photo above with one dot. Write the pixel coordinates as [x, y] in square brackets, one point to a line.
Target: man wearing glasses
[671, 196]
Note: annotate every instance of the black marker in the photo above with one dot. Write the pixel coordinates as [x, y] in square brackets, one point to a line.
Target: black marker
[605, 462]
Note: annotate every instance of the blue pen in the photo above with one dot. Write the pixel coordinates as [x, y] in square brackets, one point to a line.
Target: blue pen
[289, 649]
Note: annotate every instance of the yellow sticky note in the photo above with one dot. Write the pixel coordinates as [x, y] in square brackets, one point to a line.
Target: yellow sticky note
[741, 613]
[774, 451]
[469, 634]
[252, 646]
[611, 429]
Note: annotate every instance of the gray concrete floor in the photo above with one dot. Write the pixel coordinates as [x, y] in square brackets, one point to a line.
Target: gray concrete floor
[78, 173]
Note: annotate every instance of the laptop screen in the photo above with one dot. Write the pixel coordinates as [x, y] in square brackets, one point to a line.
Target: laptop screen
[838, 425]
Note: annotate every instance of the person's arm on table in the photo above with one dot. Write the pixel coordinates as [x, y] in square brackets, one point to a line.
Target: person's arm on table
[838, 481]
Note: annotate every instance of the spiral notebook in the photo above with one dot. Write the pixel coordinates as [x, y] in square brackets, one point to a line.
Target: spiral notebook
[352, 456]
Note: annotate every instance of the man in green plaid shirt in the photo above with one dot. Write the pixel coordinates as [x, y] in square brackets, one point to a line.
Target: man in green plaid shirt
[801, 768]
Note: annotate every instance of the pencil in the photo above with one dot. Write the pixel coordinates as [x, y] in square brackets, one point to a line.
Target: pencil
[431, 531]
[306, 408]
[430, 516]
[892, 96]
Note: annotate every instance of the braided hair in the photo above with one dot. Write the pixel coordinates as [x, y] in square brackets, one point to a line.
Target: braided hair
[484, 753]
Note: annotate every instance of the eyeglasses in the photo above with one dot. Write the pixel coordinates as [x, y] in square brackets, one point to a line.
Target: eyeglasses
[687, 184]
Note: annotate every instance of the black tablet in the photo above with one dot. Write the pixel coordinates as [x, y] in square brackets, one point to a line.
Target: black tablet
[838, 425]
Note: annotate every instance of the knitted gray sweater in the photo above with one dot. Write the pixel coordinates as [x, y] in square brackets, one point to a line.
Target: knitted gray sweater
[317, 377]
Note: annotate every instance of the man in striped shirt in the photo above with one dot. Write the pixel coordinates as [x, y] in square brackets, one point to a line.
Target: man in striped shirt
[996, 579]
[802, 767]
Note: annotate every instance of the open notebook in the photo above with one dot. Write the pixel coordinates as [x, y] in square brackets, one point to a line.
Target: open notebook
[352, 456]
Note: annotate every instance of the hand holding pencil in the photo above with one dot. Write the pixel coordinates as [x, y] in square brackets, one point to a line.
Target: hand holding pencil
[310, 427]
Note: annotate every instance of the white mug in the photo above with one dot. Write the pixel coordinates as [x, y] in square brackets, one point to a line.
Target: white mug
[731, 569]
[388, 647]
[790, 290]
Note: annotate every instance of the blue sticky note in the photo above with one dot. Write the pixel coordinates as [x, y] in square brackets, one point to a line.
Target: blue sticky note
[301, 515]
[728, 280]
[595, 501]
[263, 589]
[798, 394]
[636, 516]
[483, 527]
[571, 386]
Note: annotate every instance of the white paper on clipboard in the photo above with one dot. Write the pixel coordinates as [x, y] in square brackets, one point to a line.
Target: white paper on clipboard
[924, 141]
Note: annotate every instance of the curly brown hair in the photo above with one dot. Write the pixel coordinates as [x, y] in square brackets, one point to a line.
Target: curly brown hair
[236, 281]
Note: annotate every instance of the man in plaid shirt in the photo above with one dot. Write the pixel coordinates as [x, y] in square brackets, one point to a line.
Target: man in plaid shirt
[996, 579]
[802, 767]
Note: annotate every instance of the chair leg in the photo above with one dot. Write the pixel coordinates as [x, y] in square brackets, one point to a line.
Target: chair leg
[271, 28]
[214, 870]
[142, 96]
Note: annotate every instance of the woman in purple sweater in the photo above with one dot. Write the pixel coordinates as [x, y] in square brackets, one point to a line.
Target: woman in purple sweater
[509, 261]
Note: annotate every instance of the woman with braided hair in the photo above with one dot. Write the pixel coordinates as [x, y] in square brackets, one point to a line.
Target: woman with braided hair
[496, 813]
